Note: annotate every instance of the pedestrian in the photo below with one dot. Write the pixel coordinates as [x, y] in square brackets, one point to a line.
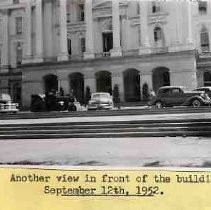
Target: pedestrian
[151, 97]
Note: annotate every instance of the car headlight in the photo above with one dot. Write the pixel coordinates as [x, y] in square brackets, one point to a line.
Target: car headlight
[203, 95]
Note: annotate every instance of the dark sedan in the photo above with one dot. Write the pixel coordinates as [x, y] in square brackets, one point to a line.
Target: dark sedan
[207, 90]
[179, 96]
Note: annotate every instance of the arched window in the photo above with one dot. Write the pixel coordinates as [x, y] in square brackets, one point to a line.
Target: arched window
[157, 34]
[202, 7]
[204, 36]
[155, 7]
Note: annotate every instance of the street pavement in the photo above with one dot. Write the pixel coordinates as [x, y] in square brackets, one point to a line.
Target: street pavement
[109, 152]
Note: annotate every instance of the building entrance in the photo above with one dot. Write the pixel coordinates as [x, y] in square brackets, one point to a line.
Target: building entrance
[51, 83]
[77, 85]
[160, 77]
[103, 81]
[132, 85]
[16, 92]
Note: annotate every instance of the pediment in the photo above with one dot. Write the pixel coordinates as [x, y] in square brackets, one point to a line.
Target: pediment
[101, 4]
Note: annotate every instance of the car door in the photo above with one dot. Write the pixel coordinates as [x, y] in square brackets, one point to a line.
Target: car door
[181, 96]
[175, 97]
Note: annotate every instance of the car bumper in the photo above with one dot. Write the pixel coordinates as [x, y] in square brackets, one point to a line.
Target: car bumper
[8, 108]
[99, 106]
[207, 103]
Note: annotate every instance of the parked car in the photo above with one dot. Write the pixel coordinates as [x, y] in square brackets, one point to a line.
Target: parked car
[206, 89]
[6, 104]
[51, 102]
[100, 100]
[179, 96]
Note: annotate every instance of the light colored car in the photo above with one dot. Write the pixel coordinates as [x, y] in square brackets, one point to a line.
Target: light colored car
[6, 104]
[100, 100]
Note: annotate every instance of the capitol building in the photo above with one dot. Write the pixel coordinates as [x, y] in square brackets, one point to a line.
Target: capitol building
[138, 45]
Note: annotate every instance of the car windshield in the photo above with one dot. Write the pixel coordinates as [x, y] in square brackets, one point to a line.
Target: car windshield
[5, 97]
[100, 95]
[184, 89]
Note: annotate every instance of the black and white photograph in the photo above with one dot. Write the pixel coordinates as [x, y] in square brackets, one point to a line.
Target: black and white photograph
[117, 83]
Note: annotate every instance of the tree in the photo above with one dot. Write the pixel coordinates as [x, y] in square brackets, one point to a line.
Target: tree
[145, 92]
[87, 95]
[116, 97]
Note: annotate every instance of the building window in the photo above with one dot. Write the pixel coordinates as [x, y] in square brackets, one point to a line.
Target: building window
[19, 52]
[107, 42]
[68, 10]
[18, 25]
[1, 26]
[0, 56]
[69, 46]
[68, 17]
[205, 45]
[81, 12]
[16, 1]
[83, 45]
[157, 34]
[138, 8]
[202, 7]
[155, 7]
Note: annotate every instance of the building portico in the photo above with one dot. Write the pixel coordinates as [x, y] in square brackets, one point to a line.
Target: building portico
[130, 74]
[137, 45]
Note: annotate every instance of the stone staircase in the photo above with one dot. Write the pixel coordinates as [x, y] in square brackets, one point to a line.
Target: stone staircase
[105, 129]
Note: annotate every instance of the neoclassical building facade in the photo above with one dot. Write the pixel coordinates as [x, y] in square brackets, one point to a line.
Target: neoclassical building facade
[74, 44]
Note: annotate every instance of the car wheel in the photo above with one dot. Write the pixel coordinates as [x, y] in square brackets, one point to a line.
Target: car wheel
[196, 103]
[159, 104]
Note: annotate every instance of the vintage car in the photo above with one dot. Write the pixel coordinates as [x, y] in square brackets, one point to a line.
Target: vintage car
[100, 100]
[206, 89]
[179, 96]
[52, 102]
[6, 104]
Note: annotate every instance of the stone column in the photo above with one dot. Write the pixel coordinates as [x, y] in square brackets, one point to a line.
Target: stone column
[63, 54]
[116, 51]
[28, 44]
[178, 23]
[48, 30]
[89, 54]
[145, 42]
[189, 20]
[176, 43]
[5, 46]
[39, 32]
